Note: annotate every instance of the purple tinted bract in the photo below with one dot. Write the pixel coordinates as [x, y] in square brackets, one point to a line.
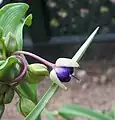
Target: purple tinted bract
[64, 73]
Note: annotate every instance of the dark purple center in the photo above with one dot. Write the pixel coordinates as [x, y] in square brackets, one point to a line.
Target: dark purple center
[64, 73]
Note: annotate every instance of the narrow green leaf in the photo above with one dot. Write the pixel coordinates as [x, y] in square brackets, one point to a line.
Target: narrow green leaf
[12, 20]
[34, 114]
[111, 113]
[28, 90]
[84, 47]
[66, 117]
[76, 110]
[2, 108]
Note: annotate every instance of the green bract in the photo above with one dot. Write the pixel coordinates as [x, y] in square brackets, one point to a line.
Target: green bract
[25, 106]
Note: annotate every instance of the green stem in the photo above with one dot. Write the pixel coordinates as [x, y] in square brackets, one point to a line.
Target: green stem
[34, 114]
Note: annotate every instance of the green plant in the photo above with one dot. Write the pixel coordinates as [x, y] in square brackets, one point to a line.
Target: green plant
[17, 75]
[70, 111]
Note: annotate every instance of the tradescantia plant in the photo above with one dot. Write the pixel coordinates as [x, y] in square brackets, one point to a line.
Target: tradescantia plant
[17, 75]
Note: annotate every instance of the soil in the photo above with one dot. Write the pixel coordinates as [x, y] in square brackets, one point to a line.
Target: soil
[96, 90]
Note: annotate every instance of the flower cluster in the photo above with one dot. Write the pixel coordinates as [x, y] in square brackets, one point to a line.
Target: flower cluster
[62, 70]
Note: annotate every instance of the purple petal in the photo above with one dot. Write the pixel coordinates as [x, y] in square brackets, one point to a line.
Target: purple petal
[64, 73]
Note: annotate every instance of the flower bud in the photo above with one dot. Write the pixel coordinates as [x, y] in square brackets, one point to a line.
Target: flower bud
[25, 106]
[36, 72]
[11, 43]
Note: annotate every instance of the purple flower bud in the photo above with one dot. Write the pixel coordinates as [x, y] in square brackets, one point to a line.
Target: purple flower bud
[64, 73]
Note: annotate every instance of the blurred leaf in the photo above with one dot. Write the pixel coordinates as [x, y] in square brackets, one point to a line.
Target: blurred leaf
[104, 9]
[34, 114]
[36, 73]
[48, 115]
[66, 117]
[6, 69]
[28, 90]
[76, 110]
[54, 22]
[2, 107]
[12, 20]
[26, 106]
[111, 113]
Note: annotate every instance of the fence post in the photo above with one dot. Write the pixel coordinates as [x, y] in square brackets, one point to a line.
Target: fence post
[39, 28]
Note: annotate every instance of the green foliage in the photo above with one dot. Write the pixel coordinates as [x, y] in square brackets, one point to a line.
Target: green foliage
[12, 66]
[76, 110]
[8, 69]
[12, 20]
[70, 111]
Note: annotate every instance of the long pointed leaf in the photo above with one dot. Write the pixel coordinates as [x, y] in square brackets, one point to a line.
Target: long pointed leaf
[76, 110]
[34, 114]
[84, 47]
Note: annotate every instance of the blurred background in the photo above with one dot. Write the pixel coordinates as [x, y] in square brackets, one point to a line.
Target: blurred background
[59, 28]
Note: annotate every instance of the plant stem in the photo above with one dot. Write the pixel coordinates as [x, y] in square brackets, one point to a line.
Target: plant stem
[36, 57]
[23, 70]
